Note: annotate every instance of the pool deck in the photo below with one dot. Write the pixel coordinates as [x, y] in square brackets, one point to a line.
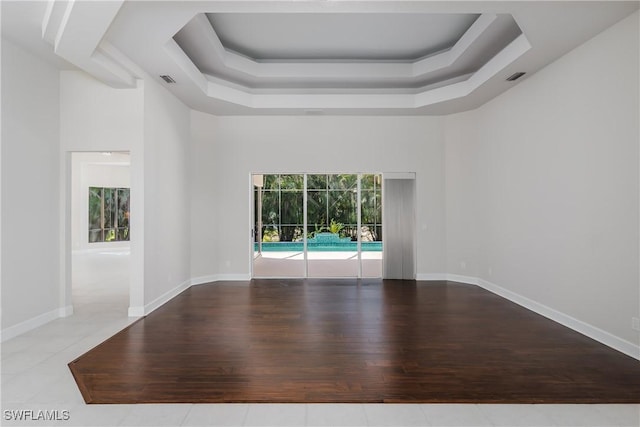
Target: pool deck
[282, 264]
[298, 255]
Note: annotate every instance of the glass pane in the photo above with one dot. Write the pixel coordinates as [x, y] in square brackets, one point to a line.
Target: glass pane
[291, 208]
[371, 208]
[291, 233]
[371, 181]
[270, 233]
[123, 207]
[367, 182]
[371, 227]
[279, 250]
[270, 208]
[317, 209]
[123, 233]
[342, 207]
[95, 210]
[110, 235]
[316, 182]
[271, 182]
[332, 217]
[343, 182]
[109, 208]
[256, 214]
[292, 182]
[379, 233]
[95, 235]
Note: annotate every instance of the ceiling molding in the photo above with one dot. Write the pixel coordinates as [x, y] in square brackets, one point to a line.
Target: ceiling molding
[448, 58]
[52, 21]
[201, 27]
[372, 101]
[447, 88]
[119, 42]
[76, 29]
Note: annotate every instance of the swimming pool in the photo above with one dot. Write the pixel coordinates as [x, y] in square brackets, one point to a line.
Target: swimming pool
[319, 247]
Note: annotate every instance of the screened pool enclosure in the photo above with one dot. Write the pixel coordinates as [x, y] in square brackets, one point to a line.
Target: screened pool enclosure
[317, 225]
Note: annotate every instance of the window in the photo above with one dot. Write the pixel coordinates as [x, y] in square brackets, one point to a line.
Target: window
[108, 214]
[282, 208]
[332, 205]
[317, 225]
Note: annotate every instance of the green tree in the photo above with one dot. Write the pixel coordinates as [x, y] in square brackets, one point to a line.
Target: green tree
[330, 198]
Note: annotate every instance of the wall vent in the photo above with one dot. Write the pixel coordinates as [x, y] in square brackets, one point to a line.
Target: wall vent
[167, 79]
[515, 76]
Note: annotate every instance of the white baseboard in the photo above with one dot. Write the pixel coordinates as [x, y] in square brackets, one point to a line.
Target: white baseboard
[431, 276]
[139, 311]
[136, 311]
[447, 277]
[462, 279]
[29, 324]
[219, 278]
[591, 331]
[65, 311]
[164, 298]
[201, 280]
[233, 277]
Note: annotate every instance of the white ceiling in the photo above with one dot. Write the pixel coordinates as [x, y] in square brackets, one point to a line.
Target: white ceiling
[339, 36]
[427, 49]
[313, 56]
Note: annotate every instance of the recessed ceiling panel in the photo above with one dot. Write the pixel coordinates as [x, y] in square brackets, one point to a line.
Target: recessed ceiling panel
[329, 36]
[487, 36]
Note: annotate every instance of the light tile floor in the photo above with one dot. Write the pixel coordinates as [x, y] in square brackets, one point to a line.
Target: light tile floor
[34, 376]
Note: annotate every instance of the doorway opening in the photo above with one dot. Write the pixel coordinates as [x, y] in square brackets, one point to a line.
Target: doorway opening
[100, 233]
[317, 225]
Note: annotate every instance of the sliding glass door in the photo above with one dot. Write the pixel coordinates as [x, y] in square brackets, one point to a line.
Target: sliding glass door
[278, 226]
[371, 225]
[317, 225]
[332, 225]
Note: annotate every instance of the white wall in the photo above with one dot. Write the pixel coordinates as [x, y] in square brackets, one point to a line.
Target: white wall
[167, 194]
[95, 118]
[153, 126]
[465, 177]
[30, 202]
[94, 170]
[543, 186]
[226, 150]
[536, 192]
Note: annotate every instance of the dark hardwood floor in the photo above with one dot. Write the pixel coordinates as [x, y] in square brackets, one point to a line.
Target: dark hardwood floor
[351, 341]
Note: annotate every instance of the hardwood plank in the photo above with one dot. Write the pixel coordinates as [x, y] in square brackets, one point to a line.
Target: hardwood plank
[351, 341]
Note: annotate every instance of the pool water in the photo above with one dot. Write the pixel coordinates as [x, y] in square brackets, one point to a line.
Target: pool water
[319, 247]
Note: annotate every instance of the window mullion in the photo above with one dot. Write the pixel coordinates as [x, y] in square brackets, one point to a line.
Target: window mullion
[102, 213]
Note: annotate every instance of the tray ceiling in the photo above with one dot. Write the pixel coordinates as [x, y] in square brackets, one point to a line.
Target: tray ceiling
[335, 36]
[401, 52]
[319, 57]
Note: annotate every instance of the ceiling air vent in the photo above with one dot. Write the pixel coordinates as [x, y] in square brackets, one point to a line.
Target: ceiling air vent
[167, 79]
[515, 76]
